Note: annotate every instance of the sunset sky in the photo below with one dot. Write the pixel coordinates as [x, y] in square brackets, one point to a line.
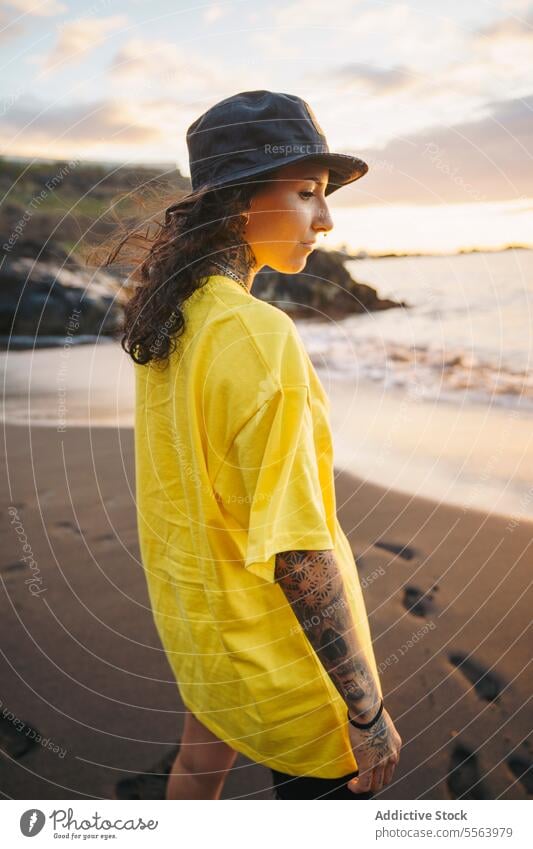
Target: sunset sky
[437, 97]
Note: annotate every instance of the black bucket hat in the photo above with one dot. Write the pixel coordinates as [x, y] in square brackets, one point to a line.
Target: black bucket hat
[255, 132]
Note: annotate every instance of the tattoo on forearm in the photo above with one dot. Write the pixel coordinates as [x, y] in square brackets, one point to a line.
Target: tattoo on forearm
[315, 590]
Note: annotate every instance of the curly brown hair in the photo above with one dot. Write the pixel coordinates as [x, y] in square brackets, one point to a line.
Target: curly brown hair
[170, 263]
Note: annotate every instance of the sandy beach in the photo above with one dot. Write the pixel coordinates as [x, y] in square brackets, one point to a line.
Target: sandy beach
[88, 698]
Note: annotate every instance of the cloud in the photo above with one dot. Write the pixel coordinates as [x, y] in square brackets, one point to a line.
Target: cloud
[373, 79]
[506, 45]
[484, 160]
[214, 12]
[38, 8]
[398, 30]
[515, 5]
[301, 12]
[10, 26]
[78, 38]
[151, 63]
[107, 122]
[509, 28]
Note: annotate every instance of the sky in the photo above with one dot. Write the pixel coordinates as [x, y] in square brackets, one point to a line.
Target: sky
[436, 97]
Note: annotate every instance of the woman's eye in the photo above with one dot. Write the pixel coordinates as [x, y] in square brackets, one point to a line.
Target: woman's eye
[307, 194]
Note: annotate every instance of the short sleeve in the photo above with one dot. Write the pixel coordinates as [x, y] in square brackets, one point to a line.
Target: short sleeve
[274, 458]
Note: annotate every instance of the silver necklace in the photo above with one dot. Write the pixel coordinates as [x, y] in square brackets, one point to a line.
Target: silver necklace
[229, 272]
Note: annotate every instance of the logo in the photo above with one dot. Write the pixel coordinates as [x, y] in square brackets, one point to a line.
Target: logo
[31, 822]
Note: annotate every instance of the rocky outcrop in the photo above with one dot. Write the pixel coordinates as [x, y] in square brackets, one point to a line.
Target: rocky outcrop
[42, 303]
[323, 290]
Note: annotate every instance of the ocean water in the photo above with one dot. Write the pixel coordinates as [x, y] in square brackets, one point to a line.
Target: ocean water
[466, 336]
[437, 399]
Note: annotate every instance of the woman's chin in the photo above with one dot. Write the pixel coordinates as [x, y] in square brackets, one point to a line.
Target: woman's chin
[301, 263]
[292, 265]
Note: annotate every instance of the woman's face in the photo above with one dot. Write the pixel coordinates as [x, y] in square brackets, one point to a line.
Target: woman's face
[287, 215]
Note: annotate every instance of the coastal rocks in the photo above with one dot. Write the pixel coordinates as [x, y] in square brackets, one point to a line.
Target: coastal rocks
[44, 302]
[323, 290]
[487, 683]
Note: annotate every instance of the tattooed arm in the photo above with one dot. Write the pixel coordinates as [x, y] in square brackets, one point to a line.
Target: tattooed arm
[315, 590]
[313, 585]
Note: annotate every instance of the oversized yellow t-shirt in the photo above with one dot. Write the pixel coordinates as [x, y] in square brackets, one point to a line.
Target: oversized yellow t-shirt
[234, 462]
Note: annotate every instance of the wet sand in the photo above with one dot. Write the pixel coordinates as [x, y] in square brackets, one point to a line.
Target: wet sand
[88, 698]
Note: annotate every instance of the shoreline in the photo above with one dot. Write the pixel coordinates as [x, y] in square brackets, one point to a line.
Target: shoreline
[464, 454]
[513, 515]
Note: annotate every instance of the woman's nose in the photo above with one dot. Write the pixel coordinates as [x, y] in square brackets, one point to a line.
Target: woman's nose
[323, 221]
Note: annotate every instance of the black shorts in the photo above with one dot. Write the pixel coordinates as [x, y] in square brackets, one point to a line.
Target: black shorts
[306, 787]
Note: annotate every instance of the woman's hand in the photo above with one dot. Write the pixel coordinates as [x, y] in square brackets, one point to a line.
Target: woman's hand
[377, 752]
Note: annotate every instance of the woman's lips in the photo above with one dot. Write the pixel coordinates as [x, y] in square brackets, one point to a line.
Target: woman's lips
[309, 245]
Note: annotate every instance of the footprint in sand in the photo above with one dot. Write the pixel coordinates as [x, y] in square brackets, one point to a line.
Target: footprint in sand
[488, 685]
[403, 551]
[150, 784]
[14, 741]
[12, 567]
[464, 780]
[105, 538]
[418, 602]
[69, 527]
[522, 769]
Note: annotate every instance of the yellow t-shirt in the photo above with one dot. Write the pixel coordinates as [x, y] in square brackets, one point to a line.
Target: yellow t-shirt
[234, 462]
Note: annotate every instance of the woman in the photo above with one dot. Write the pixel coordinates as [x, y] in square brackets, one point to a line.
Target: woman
[252, 581]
